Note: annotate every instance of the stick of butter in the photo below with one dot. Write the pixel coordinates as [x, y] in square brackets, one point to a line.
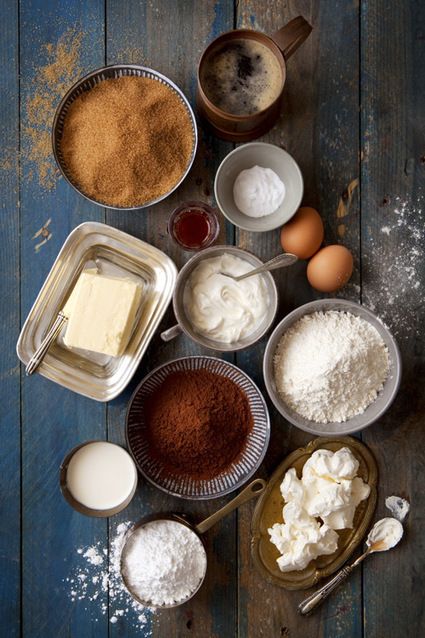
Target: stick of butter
[101, 311]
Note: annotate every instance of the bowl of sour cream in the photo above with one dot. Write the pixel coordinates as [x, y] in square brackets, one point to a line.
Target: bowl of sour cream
[215, 310]
[258, 187]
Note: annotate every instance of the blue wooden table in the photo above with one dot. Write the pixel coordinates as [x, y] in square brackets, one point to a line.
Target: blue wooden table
[353, 110]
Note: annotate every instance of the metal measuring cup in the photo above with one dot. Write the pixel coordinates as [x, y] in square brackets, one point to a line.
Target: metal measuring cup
[254, 489]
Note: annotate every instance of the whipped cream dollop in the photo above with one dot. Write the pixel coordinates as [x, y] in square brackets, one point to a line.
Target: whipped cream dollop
[322, 501]
[398, 507]
[220, 308]
[387, 531]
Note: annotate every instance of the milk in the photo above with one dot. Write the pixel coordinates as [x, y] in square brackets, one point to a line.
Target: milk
[101, 475]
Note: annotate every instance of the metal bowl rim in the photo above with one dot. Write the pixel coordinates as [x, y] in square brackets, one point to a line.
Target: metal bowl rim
[145, 520]
[182, 280]
[228, 490]
[312, 427]
[95, 73]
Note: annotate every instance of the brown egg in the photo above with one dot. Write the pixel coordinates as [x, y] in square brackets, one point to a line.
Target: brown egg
[303, 234]
[330, 268]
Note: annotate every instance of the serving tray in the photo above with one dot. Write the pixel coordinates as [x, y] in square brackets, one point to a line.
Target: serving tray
[95, 245]
[269, 511]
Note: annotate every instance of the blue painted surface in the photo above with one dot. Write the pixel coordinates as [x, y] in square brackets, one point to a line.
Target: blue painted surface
[10, 446]
[54, 420]
[42, 422]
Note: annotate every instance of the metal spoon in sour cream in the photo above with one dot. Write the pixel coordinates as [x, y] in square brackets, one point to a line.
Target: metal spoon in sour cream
[385, 534]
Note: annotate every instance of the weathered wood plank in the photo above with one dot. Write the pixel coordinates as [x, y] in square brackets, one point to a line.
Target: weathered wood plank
[10, 462]
[170, 38]
[319, 127]
[393, 198]
[59, 42]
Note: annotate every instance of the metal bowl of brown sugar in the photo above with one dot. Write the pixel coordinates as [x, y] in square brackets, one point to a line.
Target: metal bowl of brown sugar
[197, 427]
[168, 179]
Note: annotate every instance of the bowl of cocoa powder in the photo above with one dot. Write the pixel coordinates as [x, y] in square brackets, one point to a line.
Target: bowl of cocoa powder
[124, 136]
[197, 427]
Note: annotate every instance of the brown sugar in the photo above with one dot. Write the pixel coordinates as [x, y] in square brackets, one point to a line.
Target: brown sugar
[127, 141]
[52, 79]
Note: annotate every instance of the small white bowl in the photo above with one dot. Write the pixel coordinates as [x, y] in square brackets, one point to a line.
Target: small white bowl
[267, 156]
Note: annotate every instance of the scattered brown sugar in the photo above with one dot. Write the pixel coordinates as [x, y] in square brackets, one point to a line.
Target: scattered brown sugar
[52, 80]
[127, 141]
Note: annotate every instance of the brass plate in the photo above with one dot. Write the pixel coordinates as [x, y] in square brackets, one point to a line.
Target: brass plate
[269, 511]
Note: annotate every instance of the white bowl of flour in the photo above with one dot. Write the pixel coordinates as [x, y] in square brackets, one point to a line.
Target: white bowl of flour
[331, 367]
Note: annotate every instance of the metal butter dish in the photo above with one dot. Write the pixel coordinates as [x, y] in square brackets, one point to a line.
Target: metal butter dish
[269, 510]
[95, 245]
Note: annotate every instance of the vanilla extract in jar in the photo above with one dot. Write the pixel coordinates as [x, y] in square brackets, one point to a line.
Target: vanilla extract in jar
[241, 77]
[194, 225]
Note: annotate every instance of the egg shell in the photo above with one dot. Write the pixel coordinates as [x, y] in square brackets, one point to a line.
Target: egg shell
[330, 268]
[303, 234]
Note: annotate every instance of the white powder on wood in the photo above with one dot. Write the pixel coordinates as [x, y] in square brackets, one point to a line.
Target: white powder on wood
[164, 562]
[95, 580]
[330, 366]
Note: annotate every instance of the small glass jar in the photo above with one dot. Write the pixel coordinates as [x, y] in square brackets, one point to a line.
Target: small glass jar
[194, 225]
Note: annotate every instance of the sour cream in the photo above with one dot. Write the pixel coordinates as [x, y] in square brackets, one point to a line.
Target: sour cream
[387, 531]
[220, 308]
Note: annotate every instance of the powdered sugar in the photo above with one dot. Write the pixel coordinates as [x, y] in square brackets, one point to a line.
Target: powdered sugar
[164, 562]
[329, 366]
[95, 580]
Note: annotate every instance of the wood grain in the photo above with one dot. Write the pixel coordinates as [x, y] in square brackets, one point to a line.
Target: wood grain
[355, 90]
[54, 419]
[175, 52]
[319, 128]
[393, 197]
[10, 497]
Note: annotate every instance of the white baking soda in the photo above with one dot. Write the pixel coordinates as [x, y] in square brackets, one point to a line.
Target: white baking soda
[258, 191]
[101, 475]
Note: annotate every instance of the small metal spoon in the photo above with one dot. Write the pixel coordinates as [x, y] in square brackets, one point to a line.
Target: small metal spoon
[311, 602]
[286, 259]
[51, 335]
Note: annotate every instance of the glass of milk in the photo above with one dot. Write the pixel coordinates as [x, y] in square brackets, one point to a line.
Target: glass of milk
[98, 478]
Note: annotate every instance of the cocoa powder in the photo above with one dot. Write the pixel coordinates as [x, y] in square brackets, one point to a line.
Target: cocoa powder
[197, 423]
[127, 141]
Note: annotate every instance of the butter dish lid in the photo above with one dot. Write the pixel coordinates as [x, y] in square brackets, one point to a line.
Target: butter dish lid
[95, 245]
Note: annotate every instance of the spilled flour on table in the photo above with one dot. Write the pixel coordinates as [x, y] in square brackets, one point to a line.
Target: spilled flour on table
[94, 579]
[396, 295]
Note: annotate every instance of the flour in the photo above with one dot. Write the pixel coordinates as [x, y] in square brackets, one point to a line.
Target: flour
[164, 562]
[329, 366]
[95, 581]
[393, 279]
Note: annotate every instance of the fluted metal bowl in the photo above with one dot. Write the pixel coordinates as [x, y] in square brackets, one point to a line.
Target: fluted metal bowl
[181, 485]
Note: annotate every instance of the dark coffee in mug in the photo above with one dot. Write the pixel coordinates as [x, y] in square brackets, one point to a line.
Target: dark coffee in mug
[241, 77]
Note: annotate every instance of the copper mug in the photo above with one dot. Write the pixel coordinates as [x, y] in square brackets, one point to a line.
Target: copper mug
[242, 128]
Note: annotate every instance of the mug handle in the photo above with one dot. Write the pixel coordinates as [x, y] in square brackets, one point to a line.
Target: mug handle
[292, 35]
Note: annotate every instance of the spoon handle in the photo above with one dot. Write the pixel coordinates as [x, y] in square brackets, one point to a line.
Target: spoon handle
[254, 489]
[314, 600]
[286, 259]
[41, 351]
